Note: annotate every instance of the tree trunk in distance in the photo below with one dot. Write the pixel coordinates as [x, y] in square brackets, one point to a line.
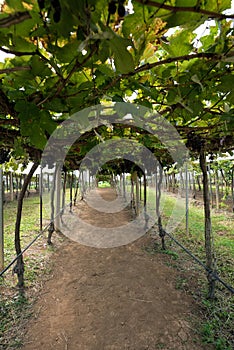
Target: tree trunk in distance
[198, 183]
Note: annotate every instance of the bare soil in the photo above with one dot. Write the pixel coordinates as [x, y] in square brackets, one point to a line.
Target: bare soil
[111, 299]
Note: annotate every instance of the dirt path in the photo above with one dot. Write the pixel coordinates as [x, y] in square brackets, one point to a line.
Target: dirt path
[111, 299]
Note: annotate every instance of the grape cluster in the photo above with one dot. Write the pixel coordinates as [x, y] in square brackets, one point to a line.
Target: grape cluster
[112, 7]
[194, 142]
[4, 156]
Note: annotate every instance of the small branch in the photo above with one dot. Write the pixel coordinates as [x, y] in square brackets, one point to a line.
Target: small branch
[142, 300]
[195, 9]
[16, 18]
[52, 64]
[18, 53]
[13, 69]
[76, 66]
[65, 81]
[149, 66]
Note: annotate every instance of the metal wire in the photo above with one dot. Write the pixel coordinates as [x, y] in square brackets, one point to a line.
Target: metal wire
[30, 244]
[210, 272]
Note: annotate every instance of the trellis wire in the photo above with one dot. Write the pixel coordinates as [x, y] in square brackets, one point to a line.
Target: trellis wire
[212, 273]
[196, 259]
[30, 244]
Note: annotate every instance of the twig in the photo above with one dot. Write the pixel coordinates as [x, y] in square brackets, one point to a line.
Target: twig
[144, 301]
[14, 69]
[16, 18]
[195, 9]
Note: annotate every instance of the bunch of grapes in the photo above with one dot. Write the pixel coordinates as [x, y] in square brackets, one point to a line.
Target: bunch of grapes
[194, 142]
[114, 5]
[4, 156]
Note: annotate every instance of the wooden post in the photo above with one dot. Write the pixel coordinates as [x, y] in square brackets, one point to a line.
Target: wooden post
[76, 190]
[145, 200]
[82, 188]
[57, 196]
[64, 193]
[194, 185]
[210, 260]
[210, 183]
[1, 222]
[232, 190]
[217, 188]
[137, 196]
[156, 191]
[11, 187]
[132, 194]
[40, 195]
[124, 187]
[48, 182]
[187, 198]
[71, 189]
[7, 182]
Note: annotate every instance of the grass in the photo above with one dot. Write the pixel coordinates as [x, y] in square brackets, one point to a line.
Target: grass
[15, 307]
[104, 184]
[217, 316]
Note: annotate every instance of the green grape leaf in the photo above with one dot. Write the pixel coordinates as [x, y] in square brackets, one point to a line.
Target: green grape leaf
[39, 67]
[123, 59]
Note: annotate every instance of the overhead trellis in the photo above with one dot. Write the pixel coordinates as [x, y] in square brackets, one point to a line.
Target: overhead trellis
[67, 56]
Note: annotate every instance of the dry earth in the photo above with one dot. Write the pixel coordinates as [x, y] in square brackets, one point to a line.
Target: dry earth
[111, 299]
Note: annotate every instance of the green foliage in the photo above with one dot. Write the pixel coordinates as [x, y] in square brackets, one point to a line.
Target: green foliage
[220, 316]
[76, 56]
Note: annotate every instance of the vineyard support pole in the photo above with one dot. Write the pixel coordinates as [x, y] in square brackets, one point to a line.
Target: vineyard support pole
[124, 187]
[11, 187]
[71, 190]
[140, 185]
[40, 192]
[233, 189]
[1, 222]
[209, 245]
[137, 197]
[58, 197]
[217, 189]
[187, 197]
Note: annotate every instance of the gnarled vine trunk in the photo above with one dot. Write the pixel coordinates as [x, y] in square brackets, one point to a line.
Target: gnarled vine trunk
[19, 267]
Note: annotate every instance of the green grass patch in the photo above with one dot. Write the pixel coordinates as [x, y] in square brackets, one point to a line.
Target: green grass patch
[15, 307]
[104, 184]
[217, 325]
